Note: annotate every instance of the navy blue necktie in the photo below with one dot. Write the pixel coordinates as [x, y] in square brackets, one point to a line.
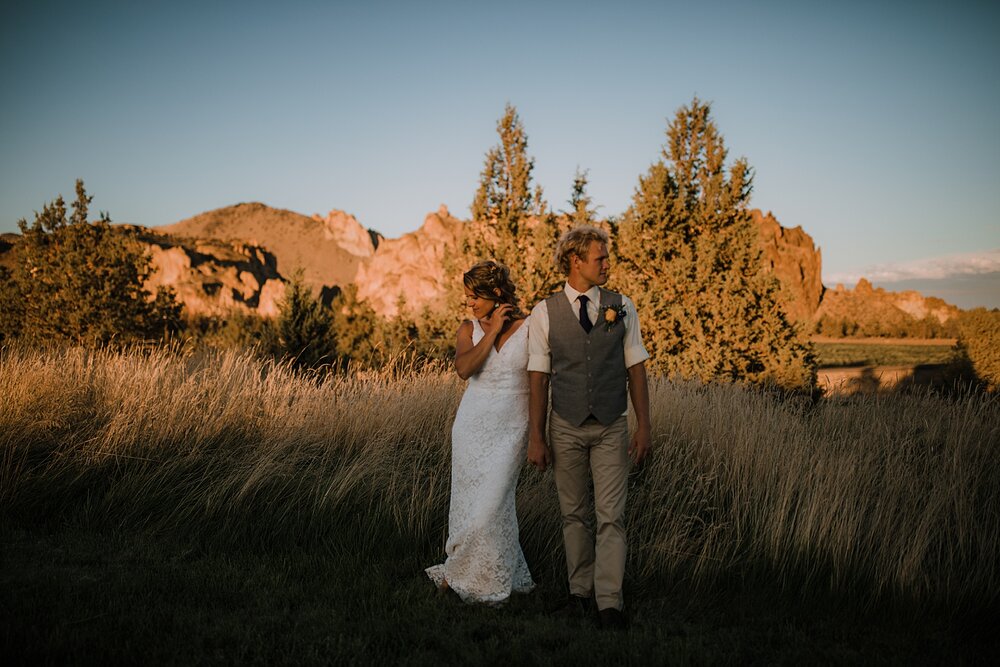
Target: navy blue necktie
[584, 317]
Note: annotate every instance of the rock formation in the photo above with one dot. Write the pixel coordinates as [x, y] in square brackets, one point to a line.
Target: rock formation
[347, 232]
[212, 277]
[871, 311]
[789, 253]
[332, 252]
[920, 306]
[411, 267]
[327, 250]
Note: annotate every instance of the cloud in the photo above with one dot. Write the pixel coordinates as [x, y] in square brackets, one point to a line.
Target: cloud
[934, 268]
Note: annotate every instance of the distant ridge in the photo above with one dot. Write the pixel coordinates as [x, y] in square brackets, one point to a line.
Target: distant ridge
[242, 255]
[328, 250]
[875, 311]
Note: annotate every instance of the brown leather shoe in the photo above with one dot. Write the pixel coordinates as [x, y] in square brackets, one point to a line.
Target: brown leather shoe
[612, 619]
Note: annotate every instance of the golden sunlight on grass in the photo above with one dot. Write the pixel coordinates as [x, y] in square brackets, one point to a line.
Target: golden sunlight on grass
[891, 495]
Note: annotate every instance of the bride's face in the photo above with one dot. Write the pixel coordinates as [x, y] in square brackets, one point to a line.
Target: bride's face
[481, 307]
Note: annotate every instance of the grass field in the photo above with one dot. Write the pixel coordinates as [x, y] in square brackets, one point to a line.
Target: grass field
[832, 352]
[215, 509]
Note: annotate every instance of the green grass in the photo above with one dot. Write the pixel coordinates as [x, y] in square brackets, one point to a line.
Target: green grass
[214, 509]
[877, 354]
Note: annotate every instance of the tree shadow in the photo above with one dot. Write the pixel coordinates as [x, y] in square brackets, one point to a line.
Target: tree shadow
[956, 378]
[865, 383]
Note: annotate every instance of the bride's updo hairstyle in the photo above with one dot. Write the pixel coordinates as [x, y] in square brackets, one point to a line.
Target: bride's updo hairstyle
[485, 278]
[577, 242]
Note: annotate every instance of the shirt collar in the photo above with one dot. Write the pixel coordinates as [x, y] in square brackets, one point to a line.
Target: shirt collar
[594, 293]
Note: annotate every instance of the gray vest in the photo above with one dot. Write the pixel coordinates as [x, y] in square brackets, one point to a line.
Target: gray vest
[588, 370]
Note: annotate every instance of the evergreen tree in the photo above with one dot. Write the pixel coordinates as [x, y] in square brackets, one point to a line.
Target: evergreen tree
[511, 223]
[580, 211]
[505, 195]
[83, 281]
[690, 259]
[304, 328]
[360, 332]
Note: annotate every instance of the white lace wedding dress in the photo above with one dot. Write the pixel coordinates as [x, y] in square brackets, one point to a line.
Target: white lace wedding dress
[489, 443]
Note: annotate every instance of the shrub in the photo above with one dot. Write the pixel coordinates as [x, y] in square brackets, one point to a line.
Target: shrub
[83, 282]
[303, 332]
[979, 339]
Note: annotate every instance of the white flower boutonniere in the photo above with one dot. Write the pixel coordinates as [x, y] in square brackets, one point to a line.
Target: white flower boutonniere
[612, 315]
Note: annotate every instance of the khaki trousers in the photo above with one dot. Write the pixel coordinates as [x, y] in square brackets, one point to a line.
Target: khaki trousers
[581, 453]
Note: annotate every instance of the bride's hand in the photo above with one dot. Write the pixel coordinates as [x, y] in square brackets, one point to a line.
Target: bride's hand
[500, 315]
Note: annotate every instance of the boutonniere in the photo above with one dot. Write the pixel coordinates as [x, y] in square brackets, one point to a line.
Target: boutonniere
[612, 315]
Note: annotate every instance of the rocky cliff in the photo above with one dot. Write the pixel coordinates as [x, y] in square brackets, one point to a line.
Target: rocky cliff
[789, 253]
[212, 277]
[410, 267]
[331, 251]
[871, 311]
[327, 250]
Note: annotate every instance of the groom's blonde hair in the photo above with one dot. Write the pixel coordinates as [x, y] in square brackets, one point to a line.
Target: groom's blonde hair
[577, 242]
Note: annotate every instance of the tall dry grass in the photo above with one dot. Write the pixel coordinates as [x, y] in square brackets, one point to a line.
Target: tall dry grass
[884, 496]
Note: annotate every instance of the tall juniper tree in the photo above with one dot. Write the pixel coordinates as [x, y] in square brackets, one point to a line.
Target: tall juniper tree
[689, 254]
[511, 223]
[581, 210]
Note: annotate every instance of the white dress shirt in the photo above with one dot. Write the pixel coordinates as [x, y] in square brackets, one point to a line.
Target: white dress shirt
[539, 351]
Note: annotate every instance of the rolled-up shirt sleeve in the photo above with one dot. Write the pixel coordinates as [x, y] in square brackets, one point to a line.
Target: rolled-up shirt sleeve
[539, 352]
[635, 351]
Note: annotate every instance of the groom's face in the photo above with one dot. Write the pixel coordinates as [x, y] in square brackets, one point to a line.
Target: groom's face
[594, 268]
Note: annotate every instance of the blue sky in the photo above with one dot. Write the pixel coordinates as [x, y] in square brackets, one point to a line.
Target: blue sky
[875, 128]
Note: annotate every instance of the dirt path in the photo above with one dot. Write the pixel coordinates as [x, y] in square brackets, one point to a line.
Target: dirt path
[867, 379]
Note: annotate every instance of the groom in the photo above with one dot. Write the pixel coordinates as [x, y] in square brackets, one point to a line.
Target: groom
[585, 342]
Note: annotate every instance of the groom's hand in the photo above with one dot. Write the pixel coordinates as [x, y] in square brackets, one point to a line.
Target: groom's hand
[538, 408]
[538, 452]
[638, 389]
[641, 445]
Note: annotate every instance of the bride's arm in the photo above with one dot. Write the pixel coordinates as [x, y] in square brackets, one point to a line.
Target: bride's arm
[470, 358]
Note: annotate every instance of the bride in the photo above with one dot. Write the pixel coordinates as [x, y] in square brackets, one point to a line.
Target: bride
[489, 440]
